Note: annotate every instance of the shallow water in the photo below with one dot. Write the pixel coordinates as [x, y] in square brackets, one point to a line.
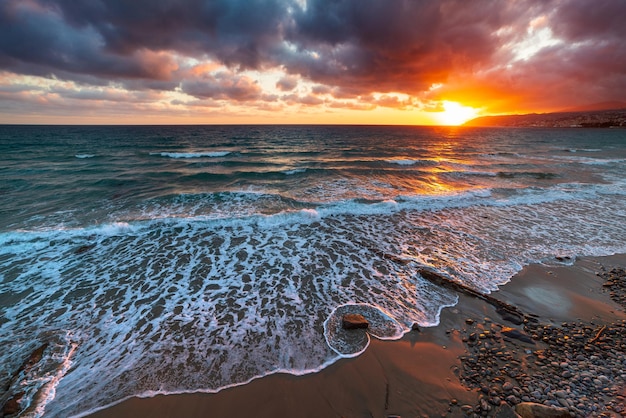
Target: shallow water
[185, 259]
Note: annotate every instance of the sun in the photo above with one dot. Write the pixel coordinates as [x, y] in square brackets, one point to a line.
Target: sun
[455, 113]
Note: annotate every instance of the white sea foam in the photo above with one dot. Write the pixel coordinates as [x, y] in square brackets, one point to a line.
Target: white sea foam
[295, 171]
[585, 150]
[201, 154]
[410, 161]
[590, 160]
[162, 303]
[82, 156]
[205, 290]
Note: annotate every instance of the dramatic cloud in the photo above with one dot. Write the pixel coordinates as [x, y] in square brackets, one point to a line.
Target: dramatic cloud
[287, 83]
[242, 55]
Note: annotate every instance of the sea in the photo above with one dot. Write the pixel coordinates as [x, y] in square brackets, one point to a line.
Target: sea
[176, 259]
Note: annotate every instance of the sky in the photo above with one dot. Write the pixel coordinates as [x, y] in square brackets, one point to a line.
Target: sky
[305, 61]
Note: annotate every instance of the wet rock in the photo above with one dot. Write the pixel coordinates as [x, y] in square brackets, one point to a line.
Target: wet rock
[84, 248]
[535, 410]
[505, 411]
[579, 365]
[12, 406]
[517, 334]
[511, 317]
[467, 409]
[354, 321]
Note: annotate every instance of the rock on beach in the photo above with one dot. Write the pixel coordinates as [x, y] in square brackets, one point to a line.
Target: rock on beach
[535, 410]
[354, 321]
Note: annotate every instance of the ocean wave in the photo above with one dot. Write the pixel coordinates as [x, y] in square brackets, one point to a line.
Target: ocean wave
[295, 171]
[209, 154]
[409, 162]
[583, 150]
[539, 175]
[267, 290]
[83, 156]
[591, 161]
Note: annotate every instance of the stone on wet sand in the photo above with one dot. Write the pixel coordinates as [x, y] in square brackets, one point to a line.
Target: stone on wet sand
[354, 321]
[517, 334]
[535, 410]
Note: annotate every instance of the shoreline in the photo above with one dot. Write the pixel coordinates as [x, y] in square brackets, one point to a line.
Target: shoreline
[452, 369]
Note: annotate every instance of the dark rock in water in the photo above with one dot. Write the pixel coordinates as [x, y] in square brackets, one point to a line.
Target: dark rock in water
[415, 327]
[516, 334]
[34, 358]
[535, 410]
[12, 406]
[84, 248]
[354, 321]
[563, 258]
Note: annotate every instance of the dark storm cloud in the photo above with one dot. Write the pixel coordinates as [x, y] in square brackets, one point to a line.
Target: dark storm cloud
[348, 43]
[223, 86]
[122, 40]
[350, 48]
[402, 46]
[37, 40]
[597, 60]
[238, 32]
[580, 20]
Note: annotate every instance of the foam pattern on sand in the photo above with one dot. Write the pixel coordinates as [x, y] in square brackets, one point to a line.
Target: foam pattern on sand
[186, 304]
[351, 343]
[191, 265]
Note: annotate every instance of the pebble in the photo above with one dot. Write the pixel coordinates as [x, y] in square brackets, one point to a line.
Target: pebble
[579, 365]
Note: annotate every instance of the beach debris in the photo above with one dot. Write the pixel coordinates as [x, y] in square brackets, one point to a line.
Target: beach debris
[512, 313]
[594, 339]
[354, 321]
[443, 281]
[535, 410]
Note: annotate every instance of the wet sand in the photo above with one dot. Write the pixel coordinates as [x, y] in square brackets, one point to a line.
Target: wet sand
[422, 374]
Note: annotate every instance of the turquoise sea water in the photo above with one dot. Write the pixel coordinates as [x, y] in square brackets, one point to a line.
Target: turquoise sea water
[193, 258]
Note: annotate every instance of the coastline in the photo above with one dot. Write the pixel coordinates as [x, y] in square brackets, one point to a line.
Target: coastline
[442, 370]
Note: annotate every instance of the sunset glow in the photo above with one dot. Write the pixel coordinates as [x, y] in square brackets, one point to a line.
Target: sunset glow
[305, 61]
[455, 113]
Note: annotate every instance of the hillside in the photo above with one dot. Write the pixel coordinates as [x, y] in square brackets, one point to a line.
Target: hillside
[577, 119]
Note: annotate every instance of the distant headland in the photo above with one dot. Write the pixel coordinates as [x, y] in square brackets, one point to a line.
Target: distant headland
[598, 115]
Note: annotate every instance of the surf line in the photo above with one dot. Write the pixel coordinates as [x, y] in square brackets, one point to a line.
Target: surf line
[507, 311]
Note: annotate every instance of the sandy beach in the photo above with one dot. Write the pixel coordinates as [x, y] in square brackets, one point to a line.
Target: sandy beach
[566, 354]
